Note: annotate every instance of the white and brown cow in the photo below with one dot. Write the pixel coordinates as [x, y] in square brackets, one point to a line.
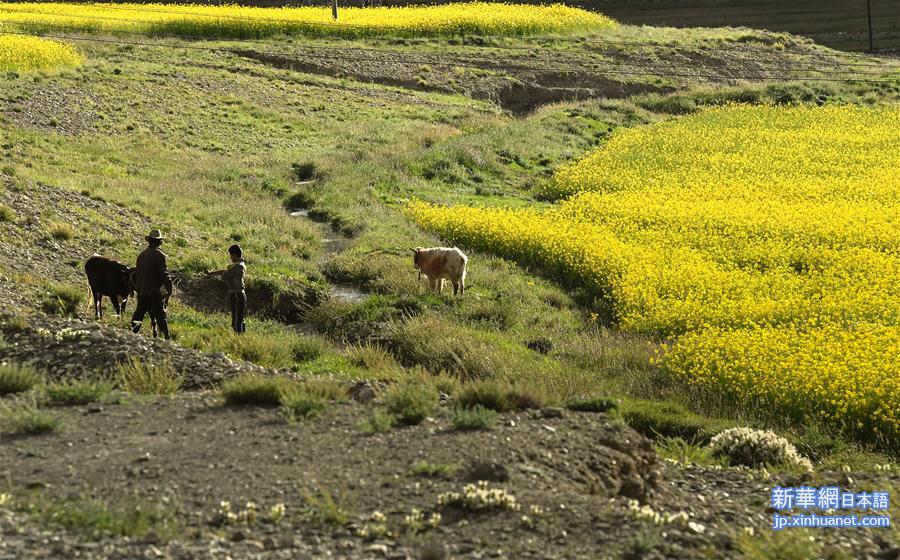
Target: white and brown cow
[440, 263]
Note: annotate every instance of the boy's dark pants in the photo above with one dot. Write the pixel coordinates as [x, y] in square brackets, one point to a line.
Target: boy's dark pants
[238, 311]
[154, 305]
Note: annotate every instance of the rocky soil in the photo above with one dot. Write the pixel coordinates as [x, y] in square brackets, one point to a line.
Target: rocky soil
[579, 478]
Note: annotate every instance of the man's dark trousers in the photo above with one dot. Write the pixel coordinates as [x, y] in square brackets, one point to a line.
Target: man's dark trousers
[238, 311]
[152, 304]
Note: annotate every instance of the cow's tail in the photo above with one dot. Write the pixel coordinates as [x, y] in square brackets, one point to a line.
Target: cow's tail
[90, 297]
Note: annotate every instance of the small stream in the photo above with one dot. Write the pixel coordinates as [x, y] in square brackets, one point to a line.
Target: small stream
[333, 242]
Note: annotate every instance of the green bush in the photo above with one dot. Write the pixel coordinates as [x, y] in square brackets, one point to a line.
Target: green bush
[16, 378]
[378, 423]
[411, 403]
[30, 420]
[307, 349]
[6, 214]
[433, 470]
[593, 404]
[17, 323]
[488, 394]
[475, 418]
[142, 378]
[78, 392]
[62, 300]
[309, 398]
[93, 517]
[299, 405]
[253, 390]
[61, 231]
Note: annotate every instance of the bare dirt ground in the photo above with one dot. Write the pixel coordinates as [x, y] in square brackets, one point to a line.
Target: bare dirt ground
[189, 453]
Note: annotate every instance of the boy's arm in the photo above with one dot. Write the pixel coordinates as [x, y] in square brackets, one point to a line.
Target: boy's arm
[230, 272]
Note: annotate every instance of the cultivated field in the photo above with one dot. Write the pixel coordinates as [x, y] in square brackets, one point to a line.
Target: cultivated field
[671, 233]
[19, 53]
[780, 222]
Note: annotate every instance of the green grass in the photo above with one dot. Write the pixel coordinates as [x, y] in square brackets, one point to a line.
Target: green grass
[93, 517]
[411, 403]
[28, 419]
[379, 422]
[253, 390]
[63, 300]
[6, 214]
[16, 378]
[299, 400]
[78, 392]
[219, 163]
[308, 399]
[434, 470]
[61, 231]
[595, 404]
[501, 396]
[686, 452]
[149, 379]
[475, 418]
[323, 508]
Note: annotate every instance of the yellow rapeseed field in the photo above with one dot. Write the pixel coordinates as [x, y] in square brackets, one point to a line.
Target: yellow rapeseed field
[23, 54]
[249, 22]
[765, 240]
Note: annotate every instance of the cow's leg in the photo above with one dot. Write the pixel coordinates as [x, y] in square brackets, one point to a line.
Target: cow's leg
[431, 284]
[117, 305]
[98, 306]
[441, 286]
[455, 288]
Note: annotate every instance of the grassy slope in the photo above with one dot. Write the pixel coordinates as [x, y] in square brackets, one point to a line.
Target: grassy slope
[206, 144]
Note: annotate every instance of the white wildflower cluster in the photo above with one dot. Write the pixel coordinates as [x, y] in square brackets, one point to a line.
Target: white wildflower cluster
[887, 467]
[754, 448]
[247, 516]
[657, 518]
[416, 522]
[5, 499]
[72, 334]
[276, 513]
[374, 527]
[479, 497]
[63, 334]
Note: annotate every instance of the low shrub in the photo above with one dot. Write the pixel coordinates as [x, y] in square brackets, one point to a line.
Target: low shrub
[135, 376]
[433, 470]
[475, 418]
[6, 214]
[324, 509]
[501, 396]
[253, 390]
[299, 405]
[16, 378]
[593, 404]
[411, 403]
[93, 517]
[757, 448]
[28, 419]
[488, 394]
[61, 231]
[378, 423]
[62, 300]
[300, 401]
[78, 392]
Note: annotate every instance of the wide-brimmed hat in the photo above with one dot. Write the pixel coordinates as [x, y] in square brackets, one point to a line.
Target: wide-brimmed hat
[155, 235]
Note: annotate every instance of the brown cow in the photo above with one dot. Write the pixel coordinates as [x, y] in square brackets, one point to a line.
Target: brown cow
[439, 263]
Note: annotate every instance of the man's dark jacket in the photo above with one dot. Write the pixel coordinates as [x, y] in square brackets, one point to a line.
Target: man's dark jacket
[151, 272]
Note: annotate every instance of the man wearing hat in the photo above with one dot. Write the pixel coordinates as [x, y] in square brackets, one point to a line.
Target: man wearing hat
[152, 284]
